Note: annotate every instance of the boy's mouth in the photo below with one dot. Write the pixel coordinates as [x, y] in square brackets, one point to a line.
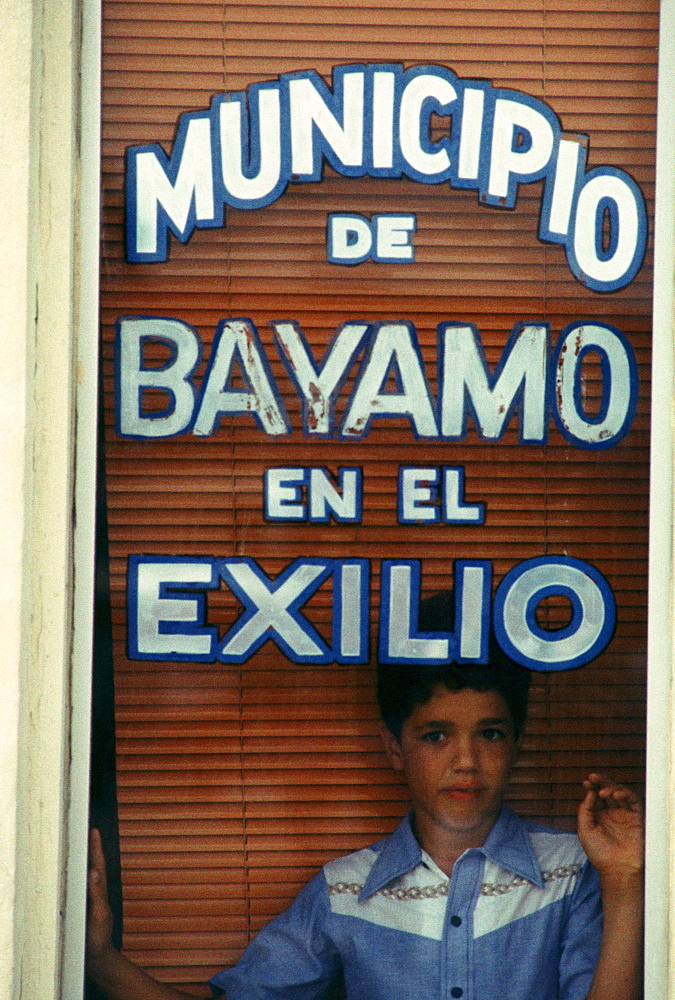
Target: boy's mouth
[463, 794]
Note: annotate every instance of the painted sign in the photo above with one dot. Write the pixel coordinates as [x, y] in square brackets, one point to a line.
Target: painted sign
[376, 122]
[165, 622]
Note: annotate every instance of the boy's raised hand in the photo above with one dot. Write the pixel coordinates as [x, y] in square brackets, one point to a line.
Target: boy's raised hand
[610, 825]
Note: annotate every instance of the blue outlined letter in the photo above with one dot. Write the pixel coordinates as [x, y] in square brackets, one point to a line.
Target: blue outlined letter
[465, 382]
[619, 385]
[526, 585]
[237, 341]
[393, 350]
[165, 617]
[467, 641]
[175, 193]
[272, 610]
[318, 385]
[250, 156]
[351, 580]
[172, 380]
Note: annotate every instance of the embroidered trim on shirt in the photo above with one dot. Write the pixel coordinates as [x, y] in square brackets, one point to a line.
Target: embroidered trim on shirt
[413, 892]
[434, 891]
[501, 888]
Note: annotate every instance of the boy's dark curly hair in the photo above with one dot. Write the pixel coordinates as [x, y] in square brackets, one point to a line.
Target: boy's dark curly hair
[402, 686]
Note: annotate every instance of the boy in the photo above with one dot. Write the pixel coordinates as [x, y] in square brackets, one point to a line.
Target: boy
[465, 899]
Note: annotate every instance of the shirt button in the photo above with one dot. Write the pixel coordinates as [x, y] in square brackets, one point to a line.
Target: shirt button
[456, 991]
[456, 922]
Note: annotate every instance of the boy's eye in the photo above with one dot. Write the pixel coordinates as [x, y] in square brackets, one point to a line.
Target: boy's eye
[434, 736]
[493, 734]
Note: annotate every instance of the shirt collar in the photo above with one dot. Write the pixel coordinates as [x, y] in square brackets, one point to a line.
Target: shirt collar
[507, 844]
[399, 853]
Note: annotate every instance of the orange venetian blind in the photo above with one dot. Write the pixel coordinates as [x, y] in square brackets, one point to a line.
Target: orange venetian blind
[237, 782]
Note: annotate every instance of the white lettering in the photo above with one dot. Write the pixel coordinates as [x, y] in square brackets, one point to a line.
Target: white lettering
[319, 385]
[325, 498]
[416, 96]
[155, 194]
[521, 371]
[162, 626]
[237, 340]
[376, 121]
[391, 383]
[619, 385]
[522, 143]
[171, 379]
[606, 193]
[592, 621]
[309, 111]
[240, 185]
[393, 351]
[350, 239]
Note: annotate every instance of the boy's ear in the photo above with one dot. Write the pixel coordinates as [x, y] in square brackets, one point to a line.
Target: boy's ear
[392, 747]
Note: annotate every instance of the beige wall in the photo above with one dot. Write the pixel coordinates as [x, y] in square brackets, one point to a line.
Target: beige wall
[47, 421]
[48, 252]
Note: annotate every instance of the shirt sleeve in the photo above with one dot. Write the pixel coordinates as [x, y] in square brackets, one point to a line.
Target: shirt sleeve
[580, 947]
[293, 958]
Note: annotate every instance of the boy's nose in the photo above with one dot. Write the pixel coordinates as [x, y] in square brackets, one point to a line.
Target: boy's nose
[465, 755]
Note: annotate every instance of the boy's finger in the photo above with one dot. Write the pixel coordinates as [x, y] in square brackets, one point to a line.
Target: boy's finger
[95, 847]
[96, 889]
[621, 797]
[615, 791]
[596, 780]
[587, 806]
[97, 859]
[610, 797]
[610, 792]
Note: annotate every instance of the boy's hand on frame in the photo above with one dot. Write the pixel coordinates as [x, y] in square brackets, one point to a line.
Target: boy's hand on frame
[610, 825]
[115, 974]
[99, 914]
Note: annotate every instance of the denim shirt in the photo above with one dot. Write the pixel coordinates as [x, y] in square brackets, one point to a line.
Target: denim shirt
[520, 919]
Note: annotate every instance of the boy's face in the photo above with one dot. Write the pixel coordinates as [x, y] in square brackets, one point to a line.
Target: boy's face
[457, 751]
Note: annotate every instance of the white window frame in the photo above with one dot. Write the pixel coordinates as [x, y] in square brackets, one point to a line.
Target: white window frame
[660, 871]
[42, 952]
